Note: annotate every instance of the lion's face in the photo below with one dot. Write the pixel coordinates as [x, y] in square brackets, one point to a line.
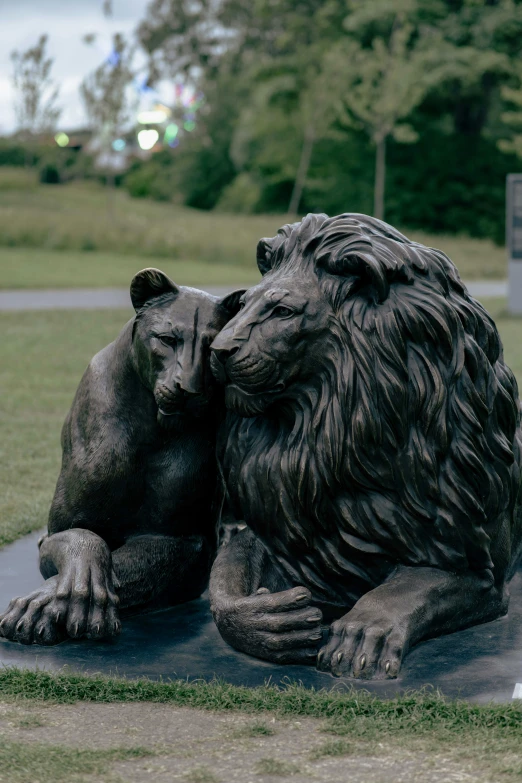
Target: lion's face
[272, 344]
[172, 334]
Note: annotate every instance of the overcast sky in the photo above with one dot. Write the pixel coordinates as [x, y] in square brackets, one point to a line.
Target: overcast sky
[65, 22]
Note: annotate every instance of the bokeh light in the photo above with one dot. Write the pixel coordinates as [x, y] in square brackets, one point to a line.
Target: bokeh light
[119, 145]
[114, 58]
[171, 131]
[153, 117]
[161, 115]
[148, 138]
[61, 139]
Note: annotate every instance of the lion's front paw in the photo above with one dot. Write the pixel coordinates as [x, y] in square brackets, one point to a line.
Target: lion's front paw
[279, 627]
[363, 646]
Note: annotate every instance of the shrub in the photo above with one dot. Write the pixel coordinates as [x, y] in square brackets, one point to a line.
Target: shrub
[50, 174]
[243, 195]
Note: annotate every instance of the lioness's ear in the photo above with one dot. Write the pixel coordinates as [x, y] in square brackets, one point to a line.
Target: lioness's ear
[150, 283]
[264, 254]
[231, 301]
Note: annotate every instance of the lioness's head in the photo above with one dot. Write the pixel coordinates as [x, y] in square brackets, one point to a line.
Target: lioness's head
[172, 333]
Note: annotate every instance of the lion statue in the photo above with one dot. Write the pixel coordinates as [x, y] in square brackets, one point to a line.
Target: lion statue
[373, 448]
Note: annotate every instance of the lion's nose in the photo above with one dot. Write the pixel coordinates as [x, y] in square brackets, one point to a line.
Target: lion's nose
[224, 354]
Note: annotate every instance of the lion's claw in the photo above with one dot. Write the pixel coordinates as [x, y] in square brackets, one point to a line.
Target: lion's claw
[363, 646]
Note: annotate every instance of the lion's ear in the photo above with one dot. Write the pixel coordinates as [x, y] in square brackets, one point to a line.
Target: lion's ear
[368, 270]
[231, 301]
[148, 284]
[264, 255]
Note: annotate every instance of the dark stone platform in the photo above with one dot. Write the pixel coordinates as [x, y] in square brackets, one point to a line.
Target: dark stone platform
[481, 664]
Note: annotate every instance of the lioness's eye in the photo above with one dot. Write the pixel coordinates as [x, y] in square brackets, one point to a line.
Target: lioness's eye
[167, 339]
[282, 312]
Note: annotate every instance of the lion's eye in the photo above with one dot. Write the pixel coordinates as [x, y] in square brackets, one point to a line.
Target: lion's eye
[167, 339]
[282, 312]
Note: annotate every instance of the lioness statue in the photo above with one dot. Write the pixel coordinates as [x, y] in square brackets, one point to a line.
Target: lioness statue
[131, 525]
[373, 447]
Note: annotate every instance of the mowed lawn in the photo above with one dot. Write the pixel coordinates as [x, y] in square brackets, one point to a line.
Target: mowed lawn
[42, 358]
[79, 235]
[25, 268]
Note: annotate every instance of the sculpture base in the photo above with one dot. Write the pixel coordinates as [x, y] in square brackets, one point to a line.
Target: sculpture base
[480, 664]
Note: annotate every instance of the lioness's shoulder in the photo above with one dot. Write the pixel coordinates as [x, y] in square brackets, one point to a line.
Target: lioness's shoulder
[105, 391]
[98, 385]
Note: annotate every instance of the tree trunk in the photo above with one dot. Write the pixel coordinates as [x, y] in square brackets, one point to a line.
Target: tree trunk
[110, 187]
[380, 179]
[302, 170]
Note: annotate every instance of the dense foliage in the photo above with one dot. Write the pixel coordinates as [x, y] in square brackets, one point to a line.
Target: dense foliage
[295, 107]
[408, 109]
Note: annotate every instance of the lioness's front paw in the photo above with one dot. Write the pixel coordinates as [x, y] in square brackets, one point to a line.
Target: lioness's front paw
[29, 619]
[86, 601]
[278, 627]
[364, 647]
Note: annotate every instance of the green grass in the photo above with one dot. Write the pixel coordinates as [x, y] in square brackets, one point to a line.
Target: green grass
[75, 222]
[482, 738]
[340, 747]
[256, 729]
[30, 268]
[345, 710]
[42, 358]
[270, 766]
[201, 775]
[31, 762]
[78, 217]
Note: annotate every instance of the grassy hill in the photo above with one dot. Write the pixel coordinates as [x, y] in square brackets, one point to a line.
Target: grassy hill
[80, 234]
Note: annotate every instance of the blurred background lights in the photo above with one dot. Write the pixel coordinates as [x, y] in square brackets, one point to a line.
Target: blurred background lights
[148, 138]
[153, 117]
[171, 131]
[61, 139]
[118, 145]
[114, 58]
[189, 125]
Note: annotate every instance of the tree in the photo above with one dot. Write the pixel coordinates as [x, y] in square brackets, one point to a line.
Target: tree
[181, 37]
[317, 110]
[481, 41]
[382, 83]
[512, 120]
[35, 92]
[104, 94]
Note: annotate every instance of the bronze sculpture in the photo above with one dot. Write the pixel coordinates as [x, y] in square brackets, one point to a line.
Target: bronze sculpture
[132, 524]
[372, 446]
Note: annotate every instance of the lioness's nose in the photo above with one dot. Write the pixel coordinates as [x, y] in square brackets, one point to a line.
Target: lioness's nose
[224, 354]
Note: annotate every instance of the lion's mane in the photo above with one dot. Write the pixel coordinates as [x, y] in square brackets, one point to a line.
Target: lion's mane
[406, 447]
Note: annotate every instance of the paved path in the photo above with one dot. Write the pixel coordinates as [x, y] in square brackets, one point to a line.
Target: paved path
[78, 298]
[103, 298]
